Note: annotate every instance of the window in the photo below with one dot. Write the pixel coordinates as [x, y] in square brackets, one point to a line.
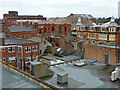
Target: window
[14, 36]
[111, 29]
[4, 59]
[40, 52]
[35, 48]
[112, 37]
[3, 49]
[52, 28]
[11, 59]
[92, 29]
[19, 49]
[19, 36]
[44, 42]
[82, 28]
[77, 27]
[27, 59]
[23, 35]
[103, 29]
[35, 58]
[33, 34]
[11, 49]
[103, 36]
[81, 35]
[60, 29]
[65, 29]
[91, 42]
[92, 35]
[27, 49]
[28, 35]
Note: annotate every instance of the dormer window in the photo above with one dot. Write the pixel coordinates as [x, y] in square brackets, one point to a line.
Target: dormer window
[112, 29]
[92, 29]
[82, 28]
[103, 29]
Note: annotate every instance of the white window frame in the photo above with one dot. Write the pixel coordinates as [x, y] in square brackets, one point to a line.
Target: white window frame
[4, 59]
[33, 34]
[27, 49]
[35, 58]
[19, 49]
[11, 59]
[112, 37]
[11, 49]
[19, 36]
[91, 34]
[3, 49]
[103, 36]
[35, 48]
[28, 35]
[23, 35]
[27, 59]
[14, 36]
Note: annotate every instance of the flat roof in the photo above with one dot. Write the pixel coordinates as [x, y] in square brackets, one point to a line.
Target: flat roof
[11, 79]
[64, 58]
[92, 75]
[109, 46]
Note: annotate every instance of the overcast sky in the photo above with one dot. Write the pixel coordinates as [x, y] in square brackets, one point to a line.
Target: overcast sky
[61, 8]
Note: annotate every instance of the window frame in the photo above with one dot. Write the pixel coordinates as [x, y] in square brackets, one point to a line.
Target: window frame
[35, 48]
[27, 49]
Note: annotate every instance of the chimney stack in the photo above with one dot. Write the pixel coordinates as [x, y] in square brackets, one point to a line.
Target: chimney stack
[18, 23]
[13, 24]
[31, 23]
[2, 41]
[27, 24]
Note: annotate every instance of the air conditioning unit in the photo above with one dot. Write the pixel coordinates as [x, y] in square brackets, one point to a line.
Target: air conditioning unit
[113, 76]
[118, 72]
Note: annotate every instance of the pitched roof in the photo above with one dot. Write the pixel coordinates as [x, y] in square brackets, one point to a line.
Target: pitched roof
[21, 28]
[89, 16]
[16, 41]
[72, 20]
[36, 39]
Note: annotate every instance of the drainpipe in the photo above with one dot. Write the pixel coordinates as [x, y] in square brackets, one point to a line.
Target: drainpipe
[22, 59]
[109, 56]
[17, 56]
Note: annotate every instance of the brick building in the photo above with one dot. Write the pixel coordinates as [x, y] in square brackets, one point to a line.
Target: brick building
[88, 16]
[102, 40]
[108, 33]
[12, 16]
[18, 52]
[103, 53]
[47, 28]
[21, 31]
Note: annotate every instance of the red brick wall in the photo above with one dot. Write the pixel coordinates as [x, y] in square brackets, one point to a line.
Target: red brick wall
[1, 40]
[21, 33]
[56, 28]
[93, 52]
[7, 54]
